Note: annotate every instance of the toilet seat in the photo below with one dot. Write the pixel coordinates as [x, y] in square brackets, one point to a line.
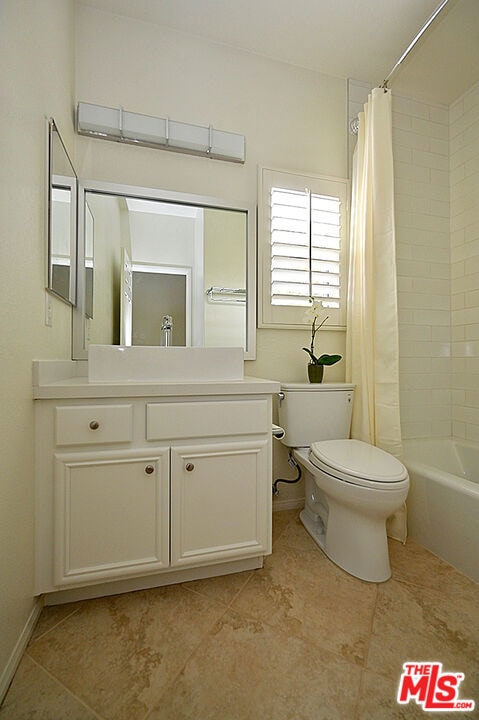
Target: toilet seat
[358, 463]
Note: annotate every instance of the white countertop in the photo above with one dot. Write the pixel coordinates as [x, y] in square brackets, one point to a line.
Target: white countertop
[55, 379]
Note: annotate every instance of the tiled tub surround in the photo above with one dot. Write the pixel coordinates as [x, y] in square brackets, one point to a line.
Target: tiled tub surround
[421, 168]
[464, 179]
[297, 639]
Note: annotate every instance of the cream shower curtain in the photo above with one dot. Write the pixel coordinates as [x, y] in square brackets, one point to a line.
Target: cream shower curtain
[372, 348]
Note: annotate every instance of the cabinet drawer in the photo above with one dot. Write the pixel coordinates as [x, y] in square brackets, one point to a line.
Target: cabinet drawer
[206, 419]
[91, 424]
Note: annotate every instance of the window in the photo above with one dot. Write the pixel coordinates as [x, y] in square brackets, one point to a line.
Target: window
[302, 230]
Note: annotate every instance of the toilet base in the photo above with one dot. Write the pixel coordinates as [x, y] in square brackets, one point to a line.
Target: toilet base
[315, 526]
[352, 536]
[375, 568]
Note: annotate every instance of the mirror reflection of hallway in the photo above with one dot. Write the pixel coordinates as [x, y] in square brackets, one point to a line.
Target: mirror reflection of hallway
[155, 295]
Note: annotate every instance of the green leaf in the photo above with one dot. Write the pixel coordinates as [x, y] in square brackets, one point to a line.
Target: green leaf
[328, 359]
[313, 358]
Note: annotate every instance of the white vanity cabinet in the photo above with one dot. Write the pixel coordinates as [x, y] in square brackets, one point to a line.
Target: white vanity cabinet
[220, 495]
[110, 515]
[149, 489]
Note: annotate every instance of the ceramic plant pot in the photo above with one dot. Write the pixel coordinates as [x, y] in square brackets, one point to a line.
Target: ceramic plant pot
[315, 373]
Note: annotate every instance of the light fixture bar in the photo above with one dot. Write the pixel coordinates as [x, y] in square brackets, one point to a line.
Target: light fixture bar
[137, 129]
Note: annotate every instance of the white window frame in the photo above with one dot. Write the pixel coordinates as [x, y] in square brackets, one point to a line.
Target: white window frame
[285, 316]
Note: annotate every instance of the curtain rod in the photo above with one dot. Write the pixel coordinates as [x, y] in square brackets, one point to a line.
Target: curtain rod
[354, 122]
[413, 42]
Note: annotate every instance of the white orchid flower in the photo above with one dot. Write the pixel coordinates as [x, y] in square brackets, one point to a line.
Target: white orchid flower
[311, 314]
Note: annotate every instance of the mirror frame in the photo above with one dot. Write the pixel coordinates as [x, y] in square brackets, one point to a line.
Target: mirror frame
[71, 298]
[79, 346]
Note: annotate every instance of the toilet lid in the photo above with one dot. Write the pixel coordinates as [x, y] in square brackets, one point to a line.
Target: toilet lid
[357, 462]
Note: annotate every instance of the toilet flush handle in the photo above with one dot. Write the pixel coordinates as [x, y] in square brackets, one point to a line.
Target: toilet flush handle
[280, 397]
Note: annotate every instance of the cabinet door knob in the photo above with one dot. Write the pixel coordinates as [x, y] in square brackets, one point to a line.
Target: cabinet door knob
[149, 469]
[94, 425]
[189, 467]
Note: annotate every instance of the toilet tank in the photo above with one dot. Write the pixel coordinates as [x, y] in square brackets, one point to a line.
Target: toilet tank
[310, 412]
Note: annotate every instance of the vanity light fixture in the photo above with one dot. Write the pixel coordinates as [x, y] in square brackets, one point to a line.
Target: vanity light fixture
[136, 129]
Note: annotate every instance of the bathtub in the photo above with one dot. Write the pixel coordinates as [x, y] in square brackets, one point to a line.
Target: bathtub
[443, 500]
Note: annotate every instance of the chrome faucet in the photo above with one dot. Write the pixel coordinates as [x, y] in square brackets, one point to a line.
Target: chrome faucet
[166, 330]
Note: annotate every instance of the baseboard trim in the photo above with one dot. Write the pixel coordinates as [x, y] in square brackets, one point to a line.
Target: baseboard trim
[293, 504]
[20, 646]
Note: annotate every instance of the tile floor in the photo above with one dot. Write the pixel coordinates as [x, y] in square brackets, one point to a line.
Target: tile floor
[299, 639]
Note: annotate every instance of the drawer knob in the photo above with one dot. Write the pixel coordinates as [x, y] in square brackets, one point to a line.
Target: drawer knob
[189, 467]
[149, 469]
[94, 425]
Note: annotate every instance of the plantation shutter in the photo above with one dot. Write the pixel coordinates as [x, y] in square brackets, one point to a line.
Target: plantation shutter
[305, 248]
[302, 222]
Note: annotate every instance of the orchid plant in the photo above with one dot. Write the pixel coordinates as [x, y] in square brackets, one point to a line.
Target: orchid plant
[313, 312]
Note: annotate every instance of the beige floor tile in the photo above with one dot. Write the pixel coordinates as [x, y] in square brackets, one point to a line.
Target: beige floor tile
[249, 671]
[52, 616]
[223, 588]
[305, 595]
[414, 564]
[295, 535]
[33, 694]
[281, 519]
[289, 641]
[412, 623]
[378, 700]
[118, 654]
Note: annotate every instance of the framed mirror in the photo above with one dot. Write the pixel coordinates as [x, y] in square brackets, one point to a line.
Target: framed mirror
[158, 267]
[62, 193]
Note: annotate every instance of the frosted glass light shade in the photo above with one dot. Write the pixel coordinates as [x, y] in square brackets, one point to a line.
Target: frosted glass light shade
[123, 126]
[97, 120]
[144, 128]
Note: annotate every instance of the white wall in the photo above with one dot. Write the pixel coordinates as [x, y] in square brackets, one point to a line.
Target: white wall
[293, 119]
[464, 158]
[36, 40]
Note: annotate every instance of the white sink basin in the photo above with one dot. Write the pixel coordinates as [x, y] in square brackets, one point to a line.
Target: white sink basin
[119, 363]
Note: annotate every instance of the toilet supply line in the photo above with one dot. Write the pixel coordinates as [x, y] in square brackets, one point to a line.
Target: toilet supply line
[294, 465]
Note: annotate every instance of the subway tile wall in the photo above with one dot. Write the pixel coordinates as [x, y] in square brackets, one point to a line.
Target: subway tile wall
[464, 187]
[421, 169]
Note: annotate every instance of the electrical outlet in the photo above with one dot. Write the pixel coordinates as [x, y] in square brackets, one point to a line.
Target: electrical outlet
[48, 310]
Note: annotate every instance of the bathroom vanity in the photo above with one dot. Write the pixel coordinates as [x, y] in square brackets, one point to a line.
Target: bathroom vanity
[147, 483]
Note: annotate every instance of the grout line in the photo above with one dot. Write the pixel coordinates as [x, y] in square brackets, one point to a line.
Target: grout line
[364, 667]
[371, 626]
[204, 640]
[356, 715]
[215, 600]
[64, 688]
[62, 620]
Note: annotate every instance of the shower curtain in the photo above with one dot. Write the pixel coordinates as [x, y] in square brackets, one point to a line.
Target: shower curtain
[372, 347]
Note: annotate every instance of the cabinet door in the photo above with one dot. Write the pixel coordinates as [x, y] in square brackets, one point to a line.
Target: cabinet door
[111, 515]
[220, 502]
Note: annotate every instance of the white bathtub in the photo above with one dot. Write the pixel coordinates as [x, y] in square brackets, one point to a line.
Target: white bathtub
[443, 500]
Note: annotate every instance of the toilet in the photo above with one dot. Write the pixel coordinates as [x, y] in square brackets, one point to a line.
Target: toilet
[351, 487]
